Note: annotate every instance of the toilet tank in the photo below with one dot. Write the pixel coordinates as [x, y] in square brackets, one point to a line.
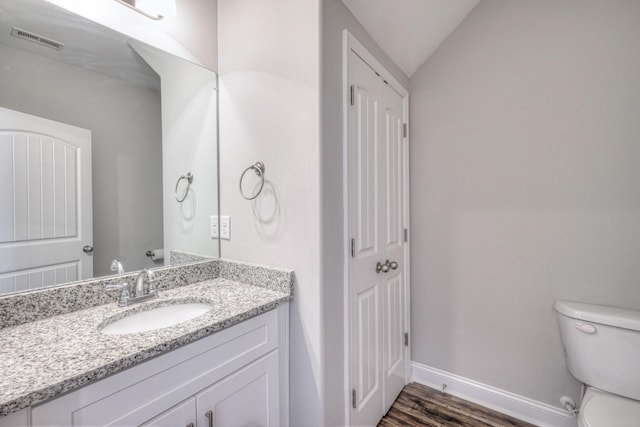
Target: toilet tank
[602, 346]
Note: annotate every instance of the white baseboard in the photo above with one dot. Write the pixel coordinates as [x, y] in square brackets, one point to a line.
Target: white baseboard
[532, 411]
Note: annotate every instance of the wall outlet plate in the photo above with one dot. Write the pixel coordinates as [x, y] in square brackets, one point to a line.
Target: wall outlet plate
[225, 227]
[214, 226]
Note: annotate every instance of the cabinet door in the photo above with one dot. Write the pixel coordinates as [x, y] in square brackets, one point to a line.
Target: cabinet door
[181, 415]
[248, 397]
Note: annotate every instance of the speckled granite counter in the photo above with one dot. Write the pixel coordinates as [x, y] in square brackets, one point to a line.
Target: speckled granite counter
[42, 359]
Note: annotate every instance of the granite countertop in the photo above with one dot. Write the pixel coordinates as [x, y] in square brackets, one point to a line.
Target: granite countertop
[42, 359]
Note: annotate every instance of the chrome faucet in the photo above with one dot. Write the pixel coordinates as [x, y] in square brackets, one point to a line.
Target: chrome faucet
[151, 291]
[116, 266]
[139, 294]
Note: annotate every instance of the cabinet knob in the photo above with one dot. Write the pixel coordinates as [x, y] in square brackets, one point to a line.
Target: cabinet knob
[190, 425]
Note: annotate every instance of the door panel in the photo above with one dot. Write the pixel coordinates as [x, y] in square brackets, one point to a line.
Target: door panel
[248, 397]
[6, 189]
[393, 355]
[33, 278]
[41, 190]
[394, 330]
[393, 175]
[367, 170]
[368, 345]
[45, 188]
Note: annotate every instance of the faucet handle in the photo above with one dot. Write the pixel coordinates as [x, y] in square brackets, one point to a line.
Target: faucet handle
[152, 282]
[124, 295]
[114, 287]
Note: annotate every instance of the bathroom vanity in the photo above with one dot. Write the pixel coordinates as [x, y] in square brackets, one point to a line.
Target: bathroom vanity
[228, 366]
[69, 354]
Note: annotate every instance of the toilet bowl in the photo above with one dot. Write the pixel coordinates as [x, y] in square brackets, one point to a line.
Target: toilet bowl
[601, 409]
[602, 349]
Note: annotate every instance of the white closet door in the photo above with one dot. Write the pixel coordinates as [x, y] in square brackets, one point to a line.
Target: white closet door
[45, 193]
[376, 225]
[393, 173]
[366, 290]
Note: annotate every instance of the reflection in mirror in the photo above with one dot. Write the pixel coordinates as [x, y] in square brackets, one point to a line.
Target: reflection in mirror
[96, 130]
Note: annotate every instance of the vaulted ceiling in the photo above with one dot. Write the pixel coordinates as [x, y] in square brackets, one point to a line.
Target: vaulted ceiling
[409, 31]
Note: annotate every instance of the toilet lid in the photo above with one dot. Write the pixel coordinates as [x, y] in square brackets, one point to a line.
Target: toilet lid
[601, 409]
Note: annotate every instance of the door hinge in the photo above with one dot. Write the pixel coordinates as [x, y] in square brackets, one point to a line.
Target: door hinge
[405, 130]
[353, 248]
[406, 339]
[406, 235]
[352, 99]
[353, 398]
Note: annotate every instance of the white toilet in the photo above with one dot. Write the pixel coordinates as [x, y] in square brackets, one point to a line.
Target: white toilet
[602, 347]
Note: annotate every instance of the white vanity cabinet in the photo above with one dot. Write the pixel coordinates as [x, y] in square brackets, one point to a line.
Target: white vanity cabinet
[238, 376]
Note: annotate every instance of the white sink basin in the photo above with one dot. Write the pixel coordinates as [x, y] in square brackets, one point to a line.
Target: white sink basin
[156, 318]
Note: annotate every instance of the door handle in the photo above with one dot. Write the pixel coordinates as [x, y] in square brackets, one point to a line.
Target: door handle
[87, 249]
[388, 265]
[382, 267]
[209, 415]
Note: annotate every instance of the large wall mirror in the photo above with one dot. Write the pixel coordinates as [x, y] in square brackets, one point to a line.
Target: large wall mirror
[108, 151]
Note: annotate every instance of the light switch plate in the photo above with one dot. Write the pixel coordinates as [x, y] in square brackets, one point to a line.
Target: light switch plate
[214, 226]
[225, 227]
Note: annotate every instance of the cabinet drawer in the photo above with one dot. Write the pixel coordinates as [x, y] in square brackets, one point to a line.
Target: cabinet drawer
[138, 394]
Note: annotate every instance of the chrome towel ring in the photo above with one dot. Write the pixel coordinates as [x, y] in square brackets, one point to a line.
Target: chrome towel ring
[258, 168]
[189, 178]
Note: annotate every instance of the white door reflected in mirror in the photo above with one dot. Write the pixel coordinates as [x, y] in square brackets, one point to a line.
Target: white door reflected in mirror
[45, 188]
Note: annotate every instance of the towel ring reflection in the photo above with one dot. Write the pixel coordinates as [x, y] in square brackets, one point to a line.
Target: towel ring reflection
[189, 178]
[258, 168]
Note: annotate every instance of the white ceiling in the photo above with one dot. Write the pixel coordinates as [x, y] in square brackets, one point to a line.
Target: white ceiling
[409, 31]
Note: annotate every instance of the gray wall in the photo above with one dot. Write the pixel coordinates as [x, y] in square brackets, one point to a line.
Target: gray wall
[335, 18]
[525, 186]
[269, 102]
[126, 147]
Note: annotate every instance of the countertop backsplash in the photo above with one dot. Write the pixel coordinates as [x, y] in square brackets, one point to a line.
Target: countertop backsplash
[19, 308]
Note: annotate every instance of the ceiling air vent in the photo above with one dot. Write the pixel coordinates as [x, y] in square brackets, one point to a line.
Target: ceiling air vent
[36, 38]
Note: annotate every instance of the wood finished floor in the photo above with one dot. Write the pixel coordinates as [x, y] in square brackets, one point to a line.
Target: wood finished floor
[418, 405]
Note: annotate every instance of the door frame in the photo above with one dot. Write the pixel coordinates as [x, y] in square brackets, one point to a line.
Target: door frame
[350, 43]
